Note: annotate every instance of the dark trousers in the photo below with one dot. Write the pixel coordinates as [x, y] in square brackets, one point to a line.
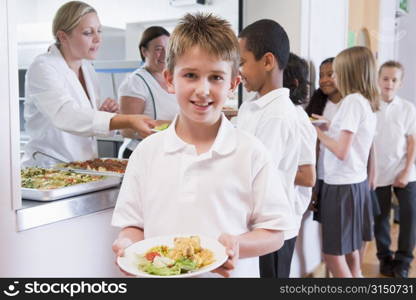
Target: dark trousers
[127, 153]
[407, 234]
[277, 264]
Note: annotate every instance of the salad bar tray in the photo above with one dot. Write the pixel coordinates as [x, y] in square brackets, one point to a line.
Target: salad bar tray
[69, 191]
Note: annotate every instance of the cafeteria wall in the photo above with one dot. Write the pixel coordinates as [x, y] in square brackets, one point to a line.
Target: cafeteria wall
[405, 34]
[317, 29]
[131, 16]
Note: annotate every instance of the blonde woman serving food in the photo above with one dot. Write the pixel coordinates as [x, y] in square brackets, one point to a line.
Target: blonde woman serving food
[63, 109]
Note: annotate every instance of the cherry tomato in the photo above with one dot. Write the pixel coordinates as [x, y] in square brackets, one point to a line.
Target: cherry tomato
[151, 256]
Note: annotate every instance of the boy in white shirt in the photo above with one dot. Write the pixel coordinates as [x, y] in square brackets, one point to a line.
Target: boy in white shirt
[201, 174]
[395, 169]
[272, 117]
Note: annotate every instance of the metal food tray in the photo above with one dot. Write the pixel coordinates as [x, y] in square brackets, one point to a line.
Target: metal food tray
[92, 172]
[69, 191]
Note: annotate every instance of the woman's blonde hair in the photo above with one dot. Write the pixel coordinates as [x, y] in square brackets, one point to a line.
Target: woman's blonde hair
[208, 32]
[356, 72]
[68, 16]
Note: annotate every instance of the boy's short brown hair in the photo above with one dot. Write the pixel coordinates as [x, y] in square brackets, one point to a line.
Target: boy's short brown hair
[392, 64]
[210, 33]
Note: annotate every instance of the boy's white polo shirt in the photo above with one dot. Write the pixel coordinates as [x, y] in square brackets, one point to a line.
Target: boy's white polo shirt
[354, 115]
[395, 122]
[307, 157]
[233, 188]
[274, 120]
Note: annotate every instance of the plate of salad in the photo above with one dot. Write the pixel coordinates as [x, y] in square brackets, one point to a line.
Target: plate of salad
[173, 256]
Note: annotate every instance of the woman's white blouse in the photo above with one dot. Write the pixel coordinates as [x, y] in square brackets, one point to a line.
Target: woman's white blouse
[60, 119]
[165, 103]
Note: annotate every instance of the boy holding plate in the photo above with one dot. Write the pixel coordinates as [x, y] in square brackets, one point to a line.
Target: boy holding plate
[202, 175]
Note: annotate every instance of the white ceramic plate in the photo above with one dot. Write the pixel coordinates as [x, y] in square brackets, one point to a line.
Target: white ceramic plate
[319, 122]
[127, 262]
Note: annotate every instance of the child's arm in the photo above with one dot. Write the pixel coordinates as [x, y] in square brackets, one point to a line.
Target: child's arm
[403, 178]
[371, 168]
[306, 175]
[126, 237]
[250, 244]
[340, 147]
[259, 242]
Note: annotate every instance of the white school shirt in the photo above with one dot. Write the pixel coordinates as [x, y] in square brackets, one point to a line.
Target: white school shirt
[233, 188]
[274, 120]
[165, 103]
[395, 122]
[354, 115]
[307, 157]
[60, 119]
[329, 113]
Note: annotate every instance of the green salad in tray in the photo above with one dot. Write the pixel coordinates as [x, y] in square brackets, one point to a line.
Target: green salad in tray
[46, 179]
[186, 256]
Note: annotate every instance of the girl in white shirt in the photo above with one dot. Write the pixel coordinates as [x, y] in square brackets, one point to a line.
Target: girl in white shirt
[63, 109]
[325, 101]
[348, 143]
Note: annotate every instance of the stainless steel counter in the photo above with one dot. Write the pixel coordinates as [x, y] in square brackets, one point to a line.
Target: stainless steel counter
[36, 213]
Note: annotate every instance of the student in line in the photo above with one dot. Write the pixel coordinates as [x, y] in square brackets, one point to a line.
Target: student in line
[272, 117]
[395, 169]
[295, 78]
[325, 101]
[202, 174]
[345, 191]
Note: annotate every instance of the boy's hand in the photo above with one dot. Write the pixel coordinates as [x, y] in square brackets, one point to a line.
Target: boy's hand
[314, 202]
[118, 248]
[232, 247]
[402, 179]
[372, 184]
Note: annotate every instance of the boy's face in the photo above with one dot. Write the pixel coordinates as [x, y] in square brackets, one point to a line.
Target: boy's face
[390, 80]
[251, 70]
[202, 83]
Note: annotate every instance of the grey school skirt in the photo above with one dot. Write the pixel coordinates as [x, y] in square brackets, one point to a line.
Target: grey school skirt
[346, 215]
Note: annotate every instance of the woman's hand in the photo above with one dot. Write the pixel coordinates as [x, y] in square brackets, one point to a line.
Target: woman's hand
[110, 105]
[232, 247]
[142, 125]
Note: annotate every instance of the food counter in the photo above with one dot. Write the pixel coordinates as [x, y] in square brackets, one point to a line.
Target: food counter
[36, 213]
